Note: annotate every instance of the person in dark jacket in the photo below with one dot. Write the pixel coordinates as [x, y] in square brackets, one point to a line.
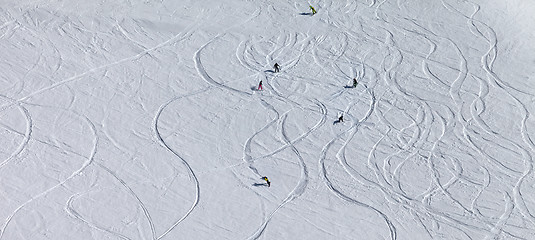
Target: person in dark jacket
[276, 67]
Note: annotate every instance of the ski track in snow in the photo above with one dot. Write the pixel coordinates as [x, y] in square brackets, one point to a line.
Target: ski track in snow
[186, 164]
[27, 136]
[72, 212]
[299, 188]
[179, 37]
[435, 162]
[89, 161]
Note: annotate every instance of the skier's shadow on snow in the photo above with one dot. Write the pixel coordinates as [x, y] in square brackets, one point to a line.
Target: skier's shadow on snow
[254, 88]
[260, 184]
[348, 86]
[305, 14]
[269, 71]
[335, 122]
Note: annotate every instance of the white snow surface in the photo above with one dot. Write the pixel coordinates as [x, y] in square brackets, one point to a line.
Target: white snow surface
[127, 119]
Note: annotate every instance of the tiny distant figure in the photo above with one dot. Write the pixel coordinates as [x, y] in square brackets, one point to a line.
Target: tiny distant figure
[313, 10]
[355, 82]
[260, 86]
[276, 67]
[267, 181]
[340, 119]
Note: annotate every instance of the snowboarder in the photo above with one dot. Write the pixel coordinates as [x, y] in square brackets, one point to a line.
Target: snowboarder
[267, 181]
[276, 67]
[340, 119]
[312, 9]
[260, 86]
[355, 82]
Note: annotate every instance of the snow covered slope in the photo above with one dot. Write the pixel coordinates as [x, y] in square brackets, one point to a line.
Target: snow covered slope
[141, 119]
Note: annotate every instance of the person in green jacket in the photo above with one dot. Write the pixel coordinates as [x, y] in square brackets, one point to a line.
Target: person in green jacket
[267, 181]
[313, 10]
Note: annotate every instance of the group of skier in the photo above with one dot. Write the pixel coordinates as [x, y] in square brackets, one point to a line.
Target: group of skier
[276, 69]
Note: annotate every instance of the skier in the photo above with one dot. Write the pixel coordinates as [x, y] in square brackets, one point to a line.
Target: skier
[355, 82]
[267, 181]
[341, 118]
[312, 9]
[276, 67]
[260, 86]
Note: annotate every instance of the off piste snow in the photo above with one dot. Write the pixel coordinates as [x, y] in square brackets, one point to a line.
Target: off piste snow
[249, 119]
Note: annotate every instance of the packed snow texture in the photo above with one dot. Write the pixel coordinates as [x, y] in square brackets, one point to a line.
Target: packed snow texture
[126, 119]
